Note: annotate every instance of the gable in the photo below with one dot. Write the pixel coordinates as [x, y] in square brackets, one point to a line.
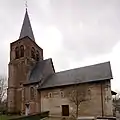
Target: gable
[42, 70]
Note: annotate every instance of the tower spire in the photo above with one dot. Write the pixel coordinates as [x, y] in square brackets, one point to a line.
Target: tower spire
[26, 27]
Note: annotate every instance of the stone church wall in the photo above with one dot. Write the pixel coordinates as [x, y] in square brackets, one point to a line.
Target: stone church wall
[108, 99]
[34, 104]
[19, 70]
[52, 101]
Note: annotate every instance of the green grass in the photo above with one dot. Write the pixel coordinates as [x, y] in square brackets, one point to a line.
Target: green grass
[4, 117]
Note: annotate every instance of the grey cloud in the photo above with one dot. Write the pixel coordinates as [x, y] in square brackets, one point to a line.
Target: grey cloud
[89, 27]
[100, 29]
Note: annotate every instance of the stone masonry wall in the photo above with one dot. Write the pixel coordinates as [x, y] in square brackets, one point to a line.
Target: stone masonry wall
[51, 100]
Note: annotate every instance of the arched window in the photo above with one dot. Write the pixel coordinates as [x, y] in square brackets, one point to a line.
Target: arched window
[89, 94]
[32, 93]
[16, 52]
[50, 95]
[33, 53]
[62, 94]
[37, 56]
[21, 51]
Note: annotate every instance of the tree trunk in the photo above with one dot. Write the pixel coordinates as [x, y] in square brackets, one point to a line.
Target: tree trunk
[77, 105]
[77, 111]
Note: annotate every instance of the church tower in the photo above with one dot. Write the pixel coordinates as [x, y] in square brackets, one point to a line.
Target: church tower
[24, 53]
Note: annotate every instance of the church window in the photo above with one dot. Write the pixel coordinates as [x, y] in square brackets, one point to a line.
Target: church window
[16, 52]
[62, 94]
[89, 94]
[33, 53]
[37, 56]
[32, 93]
[21, 51]
[50, 95]
[21, 83]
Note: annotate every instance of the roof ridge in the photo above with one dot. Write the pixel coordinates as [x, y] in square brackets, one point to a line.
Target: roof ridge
[83, 67]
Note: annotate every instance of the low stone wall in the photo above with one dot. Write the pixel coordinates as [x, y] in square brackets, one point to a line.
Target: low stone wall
[32, 117]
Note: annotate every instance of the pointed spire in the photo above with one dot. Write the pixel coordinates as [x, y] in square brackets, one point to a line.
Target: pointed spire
[26, 28]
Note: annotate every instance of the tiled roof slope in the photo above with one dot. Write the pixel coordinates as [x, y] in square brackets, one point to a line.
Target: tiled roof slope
[26, 28]
[42, 70]
[91, 73]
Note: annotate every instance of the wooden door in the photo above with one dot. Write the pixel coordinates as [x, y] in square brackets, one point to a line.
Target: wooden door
[65, 110]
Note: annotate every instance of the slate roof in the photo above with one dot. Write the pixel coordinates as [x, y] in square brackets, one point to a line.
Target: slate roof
[26, 28]
[42, 70]
[91, 73]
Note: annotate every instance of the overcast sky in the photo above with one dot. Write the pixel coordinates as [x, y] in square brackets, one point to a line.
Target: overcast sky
[73, 33]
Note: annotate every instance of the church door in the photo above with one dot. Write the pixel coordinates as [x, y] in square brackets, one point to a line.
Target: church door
[65, 110]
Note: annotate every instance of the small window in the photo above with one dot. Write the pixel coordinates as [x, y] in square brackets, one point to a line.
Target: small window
[24, 93]
[62, 94]
[21, 51]
[21, 83]
[37, 56]
[50, 95]
[32, 92]
[33, 53]
[89, 91]
[89, 94]
[107, 99]
[16, 52]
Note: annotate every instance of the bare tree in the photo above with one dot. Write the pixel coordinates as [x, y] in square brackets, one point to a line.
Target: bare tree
[79, 95]
[3, 88]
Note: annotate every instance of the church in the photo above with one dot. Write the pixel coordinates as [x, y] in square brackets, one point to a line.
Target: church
[34, 86]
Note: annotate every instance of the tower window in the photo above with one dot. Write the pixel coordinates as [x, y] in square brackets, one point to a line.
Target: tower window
[32, 93]
[16, 52]
[33, 53]
[37, 56]
[21, 51]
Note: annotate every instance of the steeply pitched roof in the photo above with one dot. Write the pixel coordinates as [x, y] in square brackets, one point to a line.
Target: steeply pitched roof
[91, 73]
[42, 70]
[26, 28]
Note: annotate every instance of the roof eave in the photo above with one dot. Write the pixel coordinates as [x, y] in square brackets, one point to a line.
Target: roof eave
[41, 88]
[31, 83]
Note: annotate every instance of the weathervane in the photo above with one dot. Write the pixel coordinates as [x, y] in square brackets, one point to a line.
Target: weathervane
[26, 4]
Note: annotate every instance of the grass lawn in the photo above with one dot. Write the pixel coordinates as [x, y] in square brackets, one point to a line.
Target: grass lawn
[4, 117]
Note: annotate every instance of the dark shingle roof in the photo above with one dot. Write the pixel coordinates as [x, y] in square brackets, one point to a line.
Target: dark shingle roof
[41, 71]
[91, 73]
[26, 28]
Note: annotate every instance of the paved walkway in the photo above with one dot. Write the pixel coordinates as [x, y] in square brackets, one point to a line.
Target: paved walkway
[55, 118]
